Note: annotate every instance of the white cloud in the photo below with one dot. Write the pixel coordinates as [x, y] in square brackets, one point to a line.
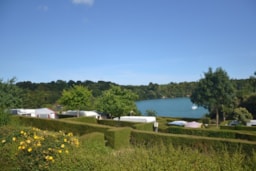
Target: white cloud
[43, 8]
[85, 2]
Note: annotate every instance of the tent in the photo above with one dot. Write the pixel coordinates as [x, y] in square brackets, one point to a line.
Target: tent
[40, 113]
[193, 125]
[143, 119]
[80, 113]
[45, 113]
[23, 112]
[177, 123]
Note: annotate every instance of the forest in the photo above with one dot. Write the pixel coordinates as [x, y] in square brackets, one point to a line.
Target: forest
[36, 95]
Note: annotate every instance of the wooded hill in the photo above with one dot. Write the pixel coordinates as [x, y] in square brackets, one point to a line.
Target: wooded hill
[42, 94]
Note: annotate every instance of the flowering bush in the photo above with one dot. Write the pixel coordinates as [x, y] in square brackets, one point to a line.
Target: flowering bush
[37, 149]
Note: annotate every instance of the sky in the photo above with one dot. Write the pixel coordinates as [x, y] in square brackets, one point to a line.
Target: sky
[128, 42]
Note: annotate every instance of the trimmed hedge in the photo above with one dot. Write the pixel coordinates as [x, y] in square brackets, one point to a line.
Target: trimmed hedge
[83, 119]
[212, 133]
[118, 138]
[122, 137]
[244, 128]
[60, 124]
[135, 125]
[149, 139]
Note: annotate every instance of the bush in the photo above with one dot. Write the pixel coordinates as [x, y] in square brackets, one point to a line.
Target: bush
[35, 149]
[118, 137]
[4, 118]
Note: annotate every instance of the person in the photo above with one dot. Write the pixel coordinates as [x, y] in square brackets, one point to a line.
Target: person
[156, 126]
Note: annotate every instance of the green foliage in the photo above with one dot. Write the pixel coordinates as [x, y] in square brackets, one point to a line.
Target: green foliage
[117, 102]
[66, 125]
[213, 91]
[37, 95]
[10, 95]
[35, 149]
[213, 133]
[118, 138]
[151, 113]
[243, 128]
[4, 118]
[242, 114]
[203, 144]
[249, 103]
[77, 98]
[163, 152]
[134, 125]
[83, 119]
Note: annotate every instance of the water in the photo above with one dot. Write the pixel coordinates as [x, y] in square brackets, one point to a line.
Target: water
[174, 107]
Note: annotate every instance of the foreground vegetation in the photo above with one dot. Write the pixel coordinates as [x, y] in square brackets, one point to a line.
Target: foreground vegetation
[59, 150]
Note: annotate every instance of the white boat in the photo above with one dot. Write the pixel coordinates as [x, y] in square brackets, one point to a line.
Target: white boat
[194, 107]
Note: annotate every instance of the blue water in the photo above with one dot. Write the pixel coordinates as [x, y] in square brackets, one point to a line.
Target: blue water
[174, 107]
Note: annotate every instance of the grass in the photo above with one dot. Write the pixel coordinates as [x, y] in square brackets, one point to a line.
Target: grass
[92, 154]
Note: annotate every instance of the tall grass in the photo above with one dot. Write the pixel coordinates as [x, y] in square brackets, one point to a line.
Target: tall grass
[92, 154]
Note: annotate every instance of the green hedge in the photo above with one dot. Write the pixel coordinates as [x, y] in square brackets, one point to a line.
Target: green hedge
[83, 119]
[212, 133]
[244, 128]
[134, 125]
[143, 138]
[118, 138]
[61, 124]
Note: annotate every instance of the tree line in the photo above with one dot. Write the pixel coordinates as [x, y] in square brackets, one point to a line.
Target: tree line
[37, 95]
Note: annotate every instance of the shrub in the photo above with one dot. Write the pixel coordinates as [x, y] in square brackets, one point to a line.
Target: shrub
[35, 149]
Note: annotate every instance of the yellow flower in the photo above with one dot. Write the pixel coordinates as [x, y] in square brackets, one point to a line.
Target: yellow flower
[70, 134]
[29, 149]
[3, 141]
[62, 146]
[23, 147]
[22, 142]
[21, 132]
[60, 151]
[65, 140]
[38, 144]
[13, 138]
[19, 148]
[28, 141]
[66, 151]
[49, 158]
[36, 137]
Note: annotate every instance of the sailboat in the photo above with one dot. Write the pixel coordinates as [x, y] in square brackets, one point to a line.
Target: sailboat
[194, 107]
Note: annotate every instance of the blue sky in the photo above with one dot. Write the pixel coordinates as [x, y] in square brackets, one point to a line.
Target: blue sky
[129, 42]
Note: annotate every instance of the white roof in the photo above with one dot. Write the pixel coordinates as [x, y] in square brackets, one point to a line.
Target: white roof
[44, 111]
[143, 119]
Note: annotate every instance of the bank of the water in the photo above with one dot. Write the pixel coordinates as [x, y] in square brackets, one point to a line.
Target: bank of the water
[172, 107]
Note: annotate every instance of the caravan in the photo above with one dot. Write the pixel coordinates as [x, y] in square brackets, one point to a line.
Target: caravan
[39, 113]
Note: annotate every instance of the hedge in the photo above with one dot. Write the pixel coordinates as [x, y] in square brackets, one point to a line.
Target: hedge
[83, 119]
[135, 125]
[143, 138]
[212, 133]
[118, 138]
[244, 128]
[60, 124]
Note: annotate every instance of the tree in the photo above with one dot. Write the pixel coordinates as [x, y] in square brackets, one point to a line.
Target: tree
[10, 97]
[77, 98]
[151, 113]
[213, 91]
[242, 114]
[249, 103]
[117, 101]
